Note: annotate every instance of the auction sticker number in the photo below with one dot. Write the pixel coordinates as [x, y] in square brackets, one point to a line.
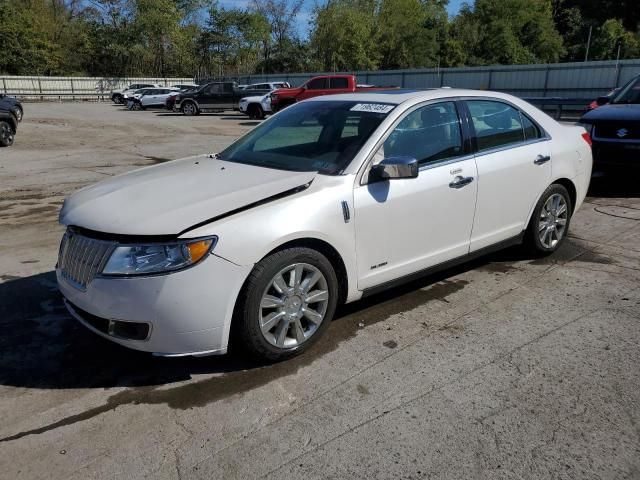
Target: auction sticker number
[372, 107]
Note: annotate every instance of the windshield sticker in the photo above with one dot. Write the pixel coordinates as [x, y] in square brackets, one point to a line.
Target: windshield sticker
[372, 107]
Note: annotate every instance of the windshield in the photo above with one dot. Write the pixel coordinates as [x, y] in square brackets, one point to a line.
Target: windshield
[310, 136]
[630, 93]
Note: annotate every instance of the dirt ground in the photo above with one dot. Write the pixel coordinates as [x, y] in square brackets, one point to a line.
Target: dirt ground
[506, 367]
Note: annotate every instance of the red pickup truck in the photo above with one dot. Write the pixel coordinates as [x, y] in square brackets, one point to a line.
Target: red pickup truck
[322, 85]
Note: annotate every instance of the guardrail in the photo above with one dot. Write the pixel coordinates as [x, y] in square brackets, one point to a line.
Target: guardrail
[561, 108]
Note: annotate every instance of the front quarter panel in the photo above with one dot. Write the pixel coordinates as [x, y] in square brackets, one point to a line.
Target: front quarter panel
[315, 213]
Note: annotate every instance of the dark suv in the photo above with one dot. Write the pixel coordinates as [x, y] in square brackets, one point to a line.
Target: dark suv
[615, 127]
[13, 105]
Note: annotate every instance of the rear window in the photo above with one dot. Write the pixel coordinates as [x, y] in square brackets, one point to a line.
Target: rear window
[340, 82]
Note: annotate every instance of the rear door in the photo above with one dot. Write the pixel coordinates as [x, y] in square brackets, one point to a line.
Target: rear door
[339, 85]
[514, 167]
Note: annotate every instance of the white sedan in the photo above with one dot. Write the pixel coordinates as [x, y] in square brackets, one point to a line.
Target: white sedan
[332, 199]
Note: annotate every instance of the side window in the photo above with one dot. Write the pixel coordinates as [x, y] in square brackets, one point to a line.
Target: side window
[531, 130]
[214, 89]
[428, 134]
[340, 82]
[317, 84]
[496, 124]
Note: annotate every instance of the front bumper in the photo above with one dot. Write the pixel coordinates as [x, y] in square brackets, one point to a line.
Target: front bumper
[188, 312]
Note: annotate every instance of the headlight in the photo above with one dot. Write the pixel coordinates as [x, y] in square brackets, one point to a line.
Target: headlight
[157, 258]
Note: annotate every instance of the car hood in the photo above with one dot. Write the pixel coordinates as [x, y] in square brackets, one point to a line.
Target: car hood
[619, 112]
[169, 198]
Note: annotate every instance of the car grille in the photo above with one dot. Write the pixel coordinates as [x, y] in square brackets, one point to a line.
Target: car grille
[618, 131]
[81, 258]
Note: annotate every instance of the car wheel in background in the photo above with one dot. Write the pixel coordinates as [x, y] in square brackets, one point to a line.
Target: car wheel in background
[6, 134]
[287, 303]
[137, 106]
[189, 108]
[549, 224]
[117, 99]
[255, 112]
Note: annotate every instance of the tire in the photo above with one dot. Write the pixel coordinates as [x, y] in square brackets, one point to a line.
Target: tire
[117, 99]
[255, 112]
[549, 224]
[7, 134]
[189, 109]
[137, 106]
[275, 325]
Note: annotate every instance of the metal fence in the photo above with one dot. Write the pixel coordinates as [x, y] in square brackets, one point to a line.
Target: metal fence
[573, 80]
[74, 88]
[585, 80]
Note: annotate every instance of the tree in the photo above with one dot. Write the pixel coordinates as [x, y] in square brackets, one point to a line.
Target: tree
[408, 33]
[611, 37]
[509, 32]
[345, 36]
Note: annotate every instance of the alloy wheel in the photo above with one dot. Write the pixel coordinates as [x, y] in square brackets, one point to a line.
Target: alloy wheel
[293, 305]
[553, 221]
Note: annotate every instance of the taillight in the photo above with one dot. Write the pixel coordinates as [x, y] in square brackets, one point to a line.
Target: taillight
[587, 138]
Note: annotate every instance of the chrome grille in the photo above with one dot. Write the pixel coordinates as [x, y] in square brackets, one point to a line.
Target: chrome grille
[81, 258]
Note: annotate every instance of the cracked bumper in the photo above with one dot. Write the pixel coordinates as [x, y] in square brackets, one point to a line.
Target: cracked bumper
[189, 312]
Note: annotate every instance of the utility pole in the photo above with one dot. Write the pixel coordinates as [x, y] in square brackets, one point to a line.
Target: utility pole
[586, 55]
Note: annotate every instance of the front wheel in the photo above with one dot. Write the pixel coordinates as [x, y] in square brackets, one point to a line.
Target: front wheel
[287, 303]
[549, 224]
[6, 134]
[256, 112]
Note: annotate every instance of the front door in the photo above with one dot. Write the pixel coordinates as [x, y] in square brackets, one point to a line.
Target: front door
[406, 225]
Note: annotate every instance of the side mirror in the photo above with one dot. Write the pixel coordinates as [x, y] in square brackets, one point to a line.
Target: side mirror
[603, 100]
[394, 168]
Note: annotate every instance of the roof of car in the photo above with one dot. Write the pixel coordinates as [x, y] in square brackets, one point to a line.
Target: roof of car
[399, 95]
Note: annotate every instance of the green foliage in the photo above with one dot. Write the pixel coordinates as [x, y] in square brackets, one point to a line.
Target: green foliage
[202, 38]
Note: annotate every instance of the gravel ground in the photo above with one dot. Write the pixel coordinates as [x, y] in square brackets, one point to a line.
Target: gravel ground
[505, 367]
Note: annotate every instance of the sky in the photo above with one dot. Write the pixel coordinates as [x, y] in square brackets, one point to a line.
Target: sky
[305, 14]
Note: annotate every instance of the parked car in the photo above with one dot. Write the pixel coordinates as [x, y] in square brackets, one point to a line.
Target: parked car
[119, 96]
[330, 200]
[149, 98]
[321, 85]
[12, 104]
[615, 128]
[255, 107]
[213, 97]
[184, 86]
[8, 127]
[171, 98]
[266, 86]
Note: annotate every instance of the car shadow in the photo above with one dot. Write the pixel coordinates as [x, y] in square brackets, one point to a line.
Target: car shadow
[615, 183]
[43, 347]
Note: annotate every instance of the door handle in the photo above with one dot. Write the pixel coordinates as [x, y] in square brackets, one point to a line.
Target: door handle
[540, 159]
[460, 182]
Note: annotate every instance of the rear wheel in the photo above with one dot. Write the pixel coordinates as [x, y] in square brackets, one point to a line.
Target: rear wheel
[287, 303]
[549, 224]
[189, 108]
[6, 134]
